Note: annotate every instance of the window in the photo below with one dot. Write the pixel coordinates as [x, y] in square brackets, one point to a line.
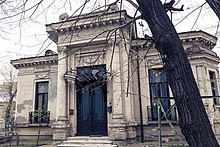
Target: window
[158, 88]
[41, 100]
[214, 88]
[40, 113]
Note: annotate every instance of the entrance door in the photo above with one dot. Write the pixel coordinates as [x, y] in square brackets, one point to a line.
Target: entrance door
[91, 102]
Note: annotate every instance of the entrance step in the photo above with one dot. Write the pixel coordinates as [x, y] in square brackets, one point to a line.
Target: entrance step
[84, 141]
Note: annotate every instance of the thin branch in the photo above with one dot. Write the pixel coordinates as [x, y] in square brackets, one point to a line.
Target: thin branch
[2, 2]
[197, 17]
[190, 13]
[22, 11]
[133, 4]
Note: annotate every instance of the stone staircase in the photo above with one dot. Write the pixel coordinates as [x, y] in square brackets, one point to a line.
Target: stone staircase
[85, 141]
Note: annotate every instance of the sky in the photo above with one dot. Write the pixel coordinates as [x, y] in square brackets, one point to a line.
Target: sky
[24, 35]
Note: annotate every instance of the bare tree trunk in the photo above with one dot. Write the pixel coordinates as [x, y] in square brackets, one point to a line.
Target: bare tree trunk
[8, 110]
[38, 134]
[215, 5]
[8, 117]
[193, 120]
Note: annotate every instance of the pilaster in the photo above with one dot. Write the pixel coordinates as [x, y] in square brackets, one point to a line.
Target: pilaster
[202, 79]
[61, 126]
[61, 129]
[117, 126]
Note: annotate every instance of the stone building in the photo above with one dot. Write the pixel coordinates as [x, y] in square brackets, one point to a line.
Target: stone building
[104, 79]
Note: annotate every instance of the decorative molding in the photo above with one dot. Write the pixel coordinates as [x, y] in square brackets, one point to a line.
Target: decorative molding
[70, 75]
[90, 59]
[42, 76]
[91, 25]
[154, 61]
[36, 63]
[216, 121]
[203, 41]
[63, 17]
[61, 49]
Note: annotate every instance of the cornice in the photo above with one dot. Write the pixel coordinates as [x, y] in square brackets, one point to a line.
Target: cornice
[199, 40]
[86, 25]
[35, 61]
[87, 22]
[198, 37]
[97, 15]
[205, 57]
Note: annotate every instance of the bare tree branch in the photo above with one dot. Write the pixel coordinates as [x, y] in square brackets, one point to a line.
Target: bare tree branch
[133, 4]
[215, 5]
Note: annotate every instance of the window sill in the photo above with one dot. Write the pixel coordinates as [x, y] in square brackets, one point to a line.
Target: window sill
[216, 106]
[37, 125]
[32, 125]
[162, 122]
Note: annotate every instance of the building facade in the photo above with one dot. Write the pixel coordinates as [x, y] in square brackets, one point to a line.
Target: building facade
[105, 81]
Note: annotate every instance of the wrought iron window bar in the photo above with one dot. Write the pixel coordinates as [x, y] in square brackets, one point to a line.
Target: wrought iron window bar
[37, 117]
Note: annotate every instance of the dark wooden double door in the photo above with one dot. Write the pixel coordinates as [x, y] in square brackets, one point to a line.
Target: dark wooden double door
[91, 107]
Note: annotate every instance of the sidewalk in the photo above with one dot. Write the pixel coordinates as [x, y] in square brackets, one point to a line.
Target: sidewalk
[50, 143]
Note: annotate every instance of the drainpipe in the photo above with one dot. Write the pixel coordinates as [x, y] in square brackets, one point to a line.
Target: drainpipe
[67, 90]
[159, 121]
[67, 85]
[140, 99]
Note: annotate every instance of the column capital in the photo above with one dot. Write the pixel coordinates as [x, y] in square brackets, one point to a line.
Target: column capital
[61, 49]
[70, 75]
[115, 41]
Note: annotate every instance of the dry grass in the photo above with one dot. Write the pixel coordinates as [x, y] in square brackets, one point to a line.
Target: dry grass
[27, 143]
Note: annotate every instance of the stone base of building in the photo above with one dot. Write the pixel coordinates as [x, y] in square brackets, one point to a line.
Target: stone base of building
[61, 129]
[117, 130]
[118, 133]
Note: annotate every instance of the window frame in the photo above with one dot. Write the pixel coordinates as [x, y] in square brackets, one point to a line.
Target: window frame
[37, 94]
[158, 85]
[214, 87]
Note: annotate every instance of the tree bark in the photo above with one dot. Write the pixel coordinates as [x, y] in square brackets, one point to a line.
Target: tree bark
[8, 118]
[215, 5]
[193, 120]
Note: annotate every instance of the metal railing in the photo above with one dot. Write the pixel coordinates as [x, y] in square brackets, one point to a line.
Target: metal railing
[36, 117]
